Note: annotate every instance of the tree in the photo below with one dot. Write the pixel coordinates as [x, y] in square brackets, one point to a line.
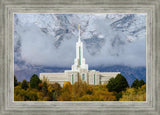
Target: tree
[133, 94]
[111, 84]
[141, 82]
[117, 84]
[136, 83]
[44, 89]
[34, 81]
[15, 81]
[24, 85]
[66, 92]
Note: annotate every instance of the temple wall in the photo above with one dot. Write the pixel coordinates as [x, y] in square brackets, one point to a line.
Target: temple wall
[52, 78]
[72, 76]
[105, 76]
[93, 77]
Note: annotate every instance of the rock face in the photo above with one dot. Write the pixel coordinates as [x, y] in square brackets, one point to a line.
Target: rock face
[106, 38]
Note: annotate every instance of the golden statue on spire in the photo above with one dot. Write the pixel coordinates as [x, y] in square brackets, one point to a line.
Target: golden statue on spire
[79, 26]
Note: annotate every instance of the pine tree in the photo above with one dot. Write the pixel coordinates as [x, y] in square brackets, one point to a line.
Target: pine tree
[117, 84]
[34, 81]
[136, 83]
[141, 82]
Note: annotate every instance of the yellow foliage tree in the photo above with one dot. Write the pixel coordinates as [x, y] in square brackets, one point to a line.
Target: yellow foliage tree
[66, 92]
[81, 91]
[133, 94]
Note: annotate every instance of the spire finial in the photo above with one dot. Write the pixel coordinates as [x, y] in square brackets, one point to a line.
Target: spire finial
[79, 26]
[79, 32]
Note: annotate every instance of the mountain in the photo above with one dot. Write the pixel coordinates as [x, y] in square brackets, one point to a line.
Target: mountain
[128, 72]
[46, 43]
[99, 31]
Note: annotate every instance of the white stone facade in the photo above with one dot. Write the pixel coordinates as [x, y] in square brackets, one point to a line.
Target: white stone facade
[79, 71]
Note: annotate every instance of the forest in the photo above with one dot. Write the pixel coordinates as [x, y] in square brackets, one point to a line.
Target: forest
[117, 89]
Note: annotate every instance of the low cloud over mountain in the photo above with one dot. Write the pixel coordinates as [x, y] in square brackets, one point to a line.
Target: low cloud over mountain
[48, 40]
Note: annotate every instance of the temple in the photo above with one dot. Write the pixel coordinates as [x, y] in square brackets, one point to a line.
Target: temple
[79, 71]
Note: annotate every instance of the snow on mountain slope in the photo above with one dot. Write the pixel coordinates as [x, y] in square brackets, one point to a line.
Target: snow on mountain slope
[109, 39]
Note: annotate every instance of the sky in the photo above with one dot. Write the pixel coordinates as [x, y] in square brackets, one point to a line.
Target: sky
[49, 40]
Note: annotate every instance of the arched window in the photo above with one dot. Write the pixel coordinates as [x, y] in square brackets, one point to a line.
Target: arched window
[72, 79]
[83, 77]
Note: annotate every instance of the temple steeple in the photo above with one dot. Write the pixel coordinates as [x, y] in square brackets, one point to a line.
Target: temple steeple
[79, 27]
[79, 62]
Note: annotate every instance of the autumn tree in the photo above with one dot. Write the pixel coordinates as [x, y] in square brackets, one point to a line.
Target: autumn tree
[19, 93]
[134, 94]
[34, 81]
[66, 92]
[56, 91]
[99, 93]
[44, 88]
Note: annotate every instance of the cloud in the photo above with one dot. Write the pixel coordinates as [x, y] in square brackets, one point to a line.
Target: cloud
[38, 47]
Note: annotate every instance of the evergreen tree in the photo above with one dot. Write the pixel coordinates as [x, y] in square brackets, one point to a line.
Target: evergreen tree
[34, 81]
[117, 84]
[111, 84]
[136, 83]
[141, 82]
[24, 85]
[15, 81]
[121, 83]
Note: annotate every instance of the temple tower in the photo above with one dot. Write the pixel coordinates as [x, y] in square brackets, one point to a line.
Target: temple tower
[79, 62]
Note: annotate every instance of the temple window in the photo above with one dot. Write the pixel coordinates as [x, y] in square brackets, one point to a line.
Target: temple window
[72, 79]
[83, 77]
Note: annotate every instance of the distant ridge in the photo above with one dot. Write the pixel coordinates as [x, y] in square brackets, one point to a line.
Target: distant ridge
[130, 73]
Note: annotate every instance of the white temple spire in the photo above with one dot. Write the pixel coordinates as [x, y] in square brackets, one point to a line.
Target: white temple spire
[79, 62]
[79, 39]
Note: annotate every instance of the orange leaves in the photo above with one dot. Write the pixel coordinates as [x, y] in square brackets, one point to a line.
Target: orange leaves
[79, 91]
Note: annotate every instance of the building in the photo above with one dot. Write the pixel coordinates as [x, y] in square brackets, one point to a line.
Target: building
[79, 71]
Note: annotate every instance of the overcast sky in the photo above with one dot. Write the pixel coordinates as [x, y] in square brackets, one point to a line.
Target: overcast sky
[108, 39]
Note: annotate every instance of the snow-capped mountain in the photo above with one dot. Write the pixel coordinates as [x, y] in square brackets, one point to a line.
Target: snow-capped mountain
[41, 40]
